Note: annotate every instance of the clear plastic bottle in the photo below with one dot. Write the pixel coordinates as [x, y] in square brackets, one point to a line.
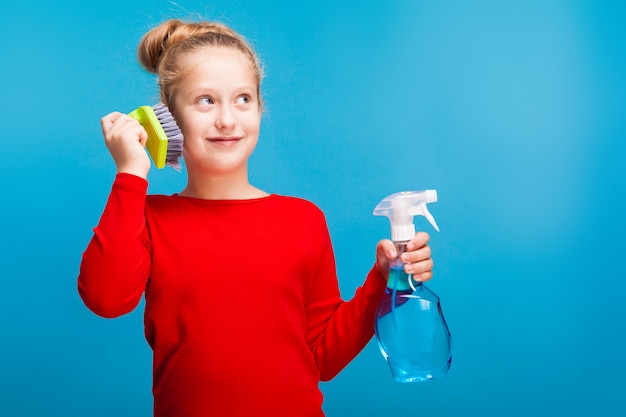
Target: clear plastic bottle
[410, 328]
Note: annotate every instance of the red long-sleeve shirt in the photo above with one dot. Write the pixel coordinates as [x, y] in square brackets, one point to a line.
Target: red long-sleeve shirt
[242, 310]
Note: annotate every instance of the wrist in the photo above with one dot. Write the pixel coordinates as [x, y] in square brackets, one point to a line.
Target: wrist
[382, 272]
[136, 171]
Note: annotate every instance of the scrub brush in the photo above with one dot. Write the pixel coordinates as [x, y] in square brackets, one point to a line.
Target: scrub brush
[165, 140]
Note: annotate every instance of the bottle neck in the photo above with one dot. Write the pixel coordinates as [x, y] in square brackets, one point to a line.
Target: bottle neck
[398, 279]
[400, 249]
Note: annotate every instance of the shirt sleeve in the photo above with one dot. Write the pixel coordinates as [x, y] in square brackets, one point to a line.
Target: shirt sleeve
[116, 264]
[338, 330]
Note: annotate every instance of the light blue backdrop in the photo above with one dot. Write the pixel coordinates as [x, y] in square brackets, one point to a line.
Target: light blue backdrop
[513, 110]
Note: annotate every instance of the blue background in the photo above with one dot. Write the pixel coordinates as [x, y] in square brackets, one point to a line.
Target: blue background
[513, 110]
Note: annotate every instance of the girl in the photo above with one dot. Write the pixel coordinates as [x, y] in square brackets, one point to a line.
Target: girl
[242, 306]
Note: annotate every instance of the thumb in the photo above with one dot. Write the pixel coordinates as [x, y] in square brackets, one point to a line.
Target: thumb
[143, 136]
[385, 253]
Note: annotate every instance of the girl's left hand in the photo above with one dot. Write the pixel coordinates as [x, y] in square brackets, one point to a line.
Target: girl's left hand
[417, 257]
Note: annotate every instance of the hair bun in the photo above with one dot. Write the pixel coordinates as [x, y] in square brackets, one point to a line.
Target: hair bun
[157, 40]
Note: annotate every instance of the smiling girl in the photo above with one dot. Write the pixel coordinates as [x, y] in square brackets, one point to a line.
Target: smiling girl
[242, 306]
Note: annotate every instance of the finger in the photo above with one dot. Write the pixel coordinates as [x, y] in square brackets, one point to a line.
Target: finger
[117, 126]
[417, 255]
[143, 135]
[132, 129]
[422, 271]
[107, 121]
[419, 240]
[423, 276]
[419, 267]
[387, 248]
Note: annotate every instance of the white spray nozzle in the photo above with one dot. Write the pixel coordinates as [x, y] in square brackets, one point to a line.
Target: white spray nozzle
[400, 209]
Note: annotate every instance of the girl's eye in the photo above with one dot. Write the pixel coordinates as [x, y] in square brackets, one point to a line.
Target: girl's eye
[243, 99]
[206, 100]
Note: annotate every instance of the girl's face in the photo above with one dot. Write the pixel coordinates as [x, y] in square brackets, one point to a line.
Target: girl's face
[219, 112]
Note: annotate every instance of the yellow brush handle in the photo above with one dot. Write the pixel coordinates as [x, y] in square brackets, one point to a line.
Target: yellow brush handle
[157, 138]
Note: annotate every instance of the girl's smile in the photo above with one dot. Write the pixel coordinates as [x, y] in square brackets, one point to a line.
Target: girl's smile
[225, 141]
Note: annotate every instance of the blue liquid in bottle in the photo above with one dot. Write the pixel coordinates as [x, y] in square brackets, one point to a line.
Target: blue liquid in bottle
[411, 331]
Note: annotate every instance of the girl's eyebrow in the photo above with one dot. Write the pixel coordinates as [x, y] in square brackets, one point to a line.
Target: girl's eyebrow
[203, 89]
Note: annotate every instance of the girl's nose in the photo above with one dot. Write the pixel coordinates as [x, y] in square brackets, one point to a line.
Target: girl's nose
[224, 119]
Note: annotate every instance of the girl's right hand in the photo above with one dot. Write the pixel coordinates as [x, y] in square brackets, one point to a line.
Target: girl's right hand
[126, 139]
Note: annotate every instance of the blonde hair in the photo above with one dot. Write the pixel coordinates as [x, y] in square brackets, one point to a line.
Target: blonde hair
[162, 49]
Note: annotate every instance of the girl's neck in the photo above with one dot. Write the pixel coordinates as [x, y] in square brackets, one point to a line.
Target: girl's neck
[221, 188]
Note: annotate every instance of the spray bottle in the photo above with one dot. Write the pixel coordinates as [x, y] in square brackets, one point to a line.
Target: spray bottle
[410, 328]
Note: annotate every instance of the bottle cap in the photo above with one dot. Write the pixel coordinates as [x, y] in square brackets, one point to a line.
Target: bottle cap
[400, 209]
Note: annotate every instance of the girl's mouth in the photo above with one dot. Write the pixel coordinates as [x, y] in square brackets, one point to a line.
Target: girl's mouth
[224, 140]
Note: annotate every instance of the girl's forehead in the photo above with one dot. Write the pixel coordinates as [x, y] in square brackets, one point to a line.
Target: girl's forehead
[221, 68]
[210, 54]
